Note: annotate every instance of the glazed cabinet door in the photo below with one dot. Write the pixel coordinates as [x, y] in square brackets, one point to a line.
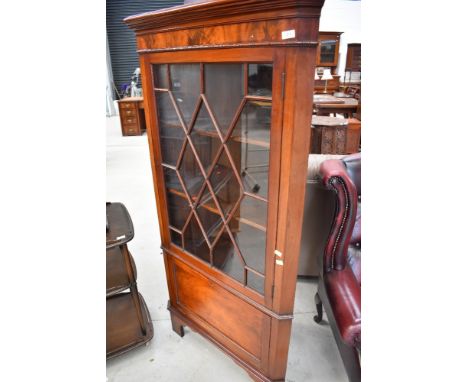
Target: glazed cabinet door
[217, 138]
[214, 124]
[327, 52]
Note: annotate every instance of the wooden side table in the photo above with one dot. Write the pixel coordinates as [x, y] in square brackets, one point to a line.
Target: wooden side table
[347, 108]
[353, 136]
[128, 322]
[331, 135]
[320, 99]
[132, 116]
[328, 135]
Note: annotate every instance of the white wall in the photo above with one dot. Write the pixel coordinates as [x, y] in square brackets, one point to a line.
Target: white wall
[342, 16]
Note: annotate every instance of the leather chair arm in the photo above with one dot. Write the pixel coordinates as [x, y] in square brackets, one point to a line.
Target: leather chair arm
[335, 177]
[345, 291]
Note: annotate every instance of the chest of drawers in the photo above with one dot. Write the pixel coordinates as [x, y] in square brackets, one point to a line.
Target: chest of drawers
[132, 117]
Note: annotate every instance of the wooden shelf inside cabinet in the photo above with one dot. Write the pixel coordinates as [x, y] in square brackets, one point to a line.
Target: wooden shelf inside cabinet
[208, 202]
[259, 138]
[211, 206]
[117, 278]
[124, 331]
[119, 227]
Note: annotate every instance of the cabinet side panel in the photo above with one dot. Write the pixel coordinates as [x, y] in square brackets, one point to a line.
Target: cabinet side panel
[295, 147]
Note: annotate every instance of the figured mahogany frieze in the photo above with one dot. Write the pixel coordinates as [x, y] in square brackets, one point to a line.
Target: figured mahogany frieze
[261, 33]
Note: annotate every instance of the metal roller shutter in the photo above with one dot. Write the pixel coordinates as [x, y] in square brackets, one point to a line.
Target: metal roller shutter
[122, 47]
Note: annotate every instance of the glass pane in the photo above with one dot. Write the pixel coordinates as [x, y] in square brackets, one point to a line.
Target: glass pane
[209, 215]
[327, 51]
[224, 89]
[260, 79]
[249, 144]
[170, 129]
[226, 259]
[255, 282]
[254, 212]
[205, 138]
[172, 181]
[206, 201]
[195, 242]
[191, 173]
[177, 204]
[185, 86]
[248, 227]
[211, 222]
[225, 184]
[176, 238]
[161, 80]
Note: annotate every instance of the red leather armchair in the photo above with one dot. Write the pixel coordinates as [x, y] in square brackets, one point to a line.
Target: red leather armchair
[339, 289]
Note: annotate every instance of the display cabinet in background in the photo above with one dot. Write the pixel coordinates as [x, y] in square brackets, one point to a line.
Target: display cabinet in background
[327, 57]
[228, 99]
[353, 57]
[353, 64]
[328, 49]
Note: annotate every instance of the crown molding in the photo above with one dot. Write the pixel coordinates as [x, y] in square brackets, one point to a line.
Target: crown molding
[211, 11]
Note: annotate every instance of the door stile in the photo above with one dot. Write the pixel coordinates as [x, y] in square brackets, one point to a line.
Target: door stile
[274, 176]
[294, 153]
[154, 146]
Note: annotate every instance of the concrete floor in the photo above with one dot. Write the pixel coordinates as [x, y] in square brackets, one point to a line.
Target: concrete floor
[313, 355]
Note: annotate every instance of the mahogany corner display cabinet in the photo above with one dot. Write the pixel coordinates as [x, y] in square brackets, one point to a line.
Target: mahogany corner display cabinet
[228, 89]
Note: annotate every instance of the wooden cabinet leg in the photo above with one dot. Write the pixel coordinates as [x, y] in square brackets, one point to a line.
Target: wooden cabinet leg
[318, 304]
[177, 325]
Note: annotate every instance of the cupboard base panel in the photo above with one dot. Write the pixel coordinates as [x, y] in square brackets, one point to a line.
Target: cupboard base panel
[179, 320]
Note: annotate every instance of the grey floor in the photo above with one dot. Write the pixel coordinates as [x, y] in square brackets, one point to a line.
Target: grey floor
[313, 355]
